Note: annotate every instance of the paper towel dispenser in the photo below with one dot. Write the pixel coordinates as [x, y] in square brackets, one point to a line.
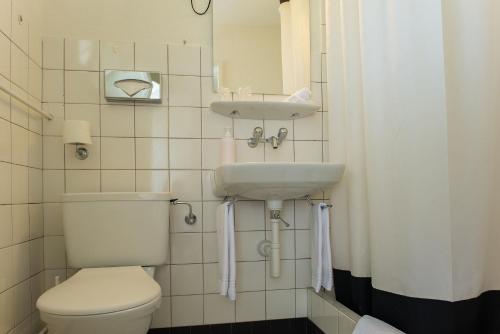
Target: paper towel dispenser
[132, 86]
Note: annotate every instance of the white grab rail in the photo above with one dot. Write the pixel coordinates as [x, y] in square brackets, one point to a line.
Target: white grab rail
[47, 115]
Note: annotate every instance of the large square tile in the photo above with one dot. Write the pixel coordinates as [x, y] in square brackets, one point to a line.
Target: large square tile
[93, 160]
[152, 180]
[53, 86]
[250, 276]
[186, 184]
[118, 180]
[85, 112]
[53, 53]
[280, 304]
[83, 181]
[5, 183]
[19, 184]
[19, 67]
[151, 56]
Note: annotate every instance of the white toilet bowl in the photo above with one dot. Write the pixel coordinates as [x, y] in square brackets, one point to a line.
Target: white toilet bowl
[114, 300]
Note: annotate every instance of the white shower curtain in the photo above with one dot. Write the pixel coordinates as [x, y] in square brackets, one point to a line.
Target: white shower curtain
[414, 96]
[295, 45]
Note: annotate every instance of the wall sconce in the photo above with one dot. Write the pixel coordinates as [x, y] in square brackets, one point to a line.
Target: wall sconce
[77, 133]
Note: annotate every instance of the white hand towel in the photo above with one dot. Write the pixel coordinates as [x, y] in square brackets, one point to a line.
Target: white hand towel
[370, 325]
[321, 258]
[226, 251]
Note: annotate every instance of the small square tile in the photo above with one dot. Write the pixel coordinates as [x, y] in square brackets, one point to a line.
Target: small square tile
[19, 184]
[309, 128]
[52, 213]
[302, 238]
[151, 153]
[210, 250]
[21, 260]
[19, 67]
[246, 245]
[117, 153]
[251, 306]
[117, 121]
[5, 228]
[53, 86]
[249, 216]
[85, 112]
[82, 54]
[35, 80]
[93, 160]
[162, 316]
[218, 309]
[286, 279]
[187, 310]
[117, 56]
[20, 223]
[83, 181]
[152, 180]
[209, 209]
[208, 93]
[53, 153]
[20, 145]
[4, 56]
[81, 87]
[284, 153]
[280, 304]
[118, 180]
[308, 151]
[251, 276]
[36, 249]
[185, 153]
[53, 127]
[186, 248]
[53, 181]
[53, 53]
[151, 56]
[55, 252]
[186, 184]
[5, 141]
[162, 276]
[213, 124]
[151, 121]
[244, 153]
[35, 153]
[184, 91]
[187, 279]
[211, 153]
[184, 59]
[185, 122]
[35, 185]
[303, 277]
[211, 278]
[5, 183]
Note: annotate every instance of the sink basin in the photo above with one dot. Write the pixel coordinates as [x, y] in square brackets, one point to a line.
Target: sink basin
[275, 181]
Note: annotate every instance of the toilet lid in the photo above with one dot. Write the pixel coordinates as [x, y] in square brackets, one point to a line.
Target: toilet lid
[94, 291]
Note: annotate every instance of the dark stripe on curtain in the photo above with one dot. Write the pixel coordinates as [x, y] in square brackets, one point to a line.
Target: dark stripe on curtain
[479, 315]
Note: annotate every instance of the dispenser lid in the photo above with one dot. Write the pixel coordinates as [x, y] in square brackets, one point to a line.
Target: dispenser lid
[95, 291]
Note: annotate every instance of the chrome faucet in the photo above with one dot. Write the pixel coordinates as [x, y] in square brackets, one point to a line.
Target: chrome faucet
[275, 141]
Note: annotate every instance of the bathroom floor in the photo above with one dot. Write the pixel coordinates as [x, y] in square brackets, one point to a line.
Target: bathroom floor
[284, 326]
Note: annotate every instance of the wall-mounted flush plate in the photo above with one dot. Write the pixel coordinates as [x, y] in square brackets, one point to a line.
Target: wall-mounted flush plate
[132, 86]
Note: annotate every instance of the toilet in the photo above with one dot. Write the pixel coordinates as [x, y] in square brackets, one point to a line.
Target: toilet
[117, 239]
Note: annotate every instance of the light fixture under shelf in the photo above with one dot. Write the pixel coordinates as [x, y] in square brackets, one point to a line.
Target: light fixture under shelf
[264, 109]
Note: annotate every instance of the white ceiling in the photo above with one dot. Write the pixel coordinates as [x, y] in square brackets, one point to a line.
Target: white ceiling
[247, 12]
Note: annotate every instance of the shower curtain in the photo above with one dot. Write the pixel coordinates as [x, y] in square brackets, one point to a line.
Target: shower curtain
[414, 96]
[295, 41]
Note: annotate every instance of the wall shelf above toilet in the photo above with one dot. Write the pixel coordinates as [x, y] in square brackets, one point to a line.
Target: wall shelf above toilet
[265, 110]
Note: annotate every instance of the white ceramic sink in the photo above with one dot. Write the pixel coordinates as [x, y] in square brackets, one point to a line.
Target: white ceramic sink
[275, 181]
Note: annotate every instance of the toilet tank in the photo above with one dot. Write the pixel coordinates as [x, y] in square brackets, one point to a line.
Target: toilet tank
[116, 229]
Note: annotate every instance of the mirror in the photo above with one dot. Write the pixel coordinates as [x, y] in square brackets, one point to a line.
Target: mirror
[261, 46]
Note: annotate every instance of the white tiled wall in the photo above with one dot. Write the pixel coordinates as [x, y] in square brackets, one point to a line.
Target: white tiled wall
[21, 214]
[173, 147]
[329, 315]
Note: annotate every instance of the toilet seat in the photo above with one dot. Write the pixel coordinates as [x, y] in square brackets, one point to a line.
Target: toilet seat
[99, 291]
